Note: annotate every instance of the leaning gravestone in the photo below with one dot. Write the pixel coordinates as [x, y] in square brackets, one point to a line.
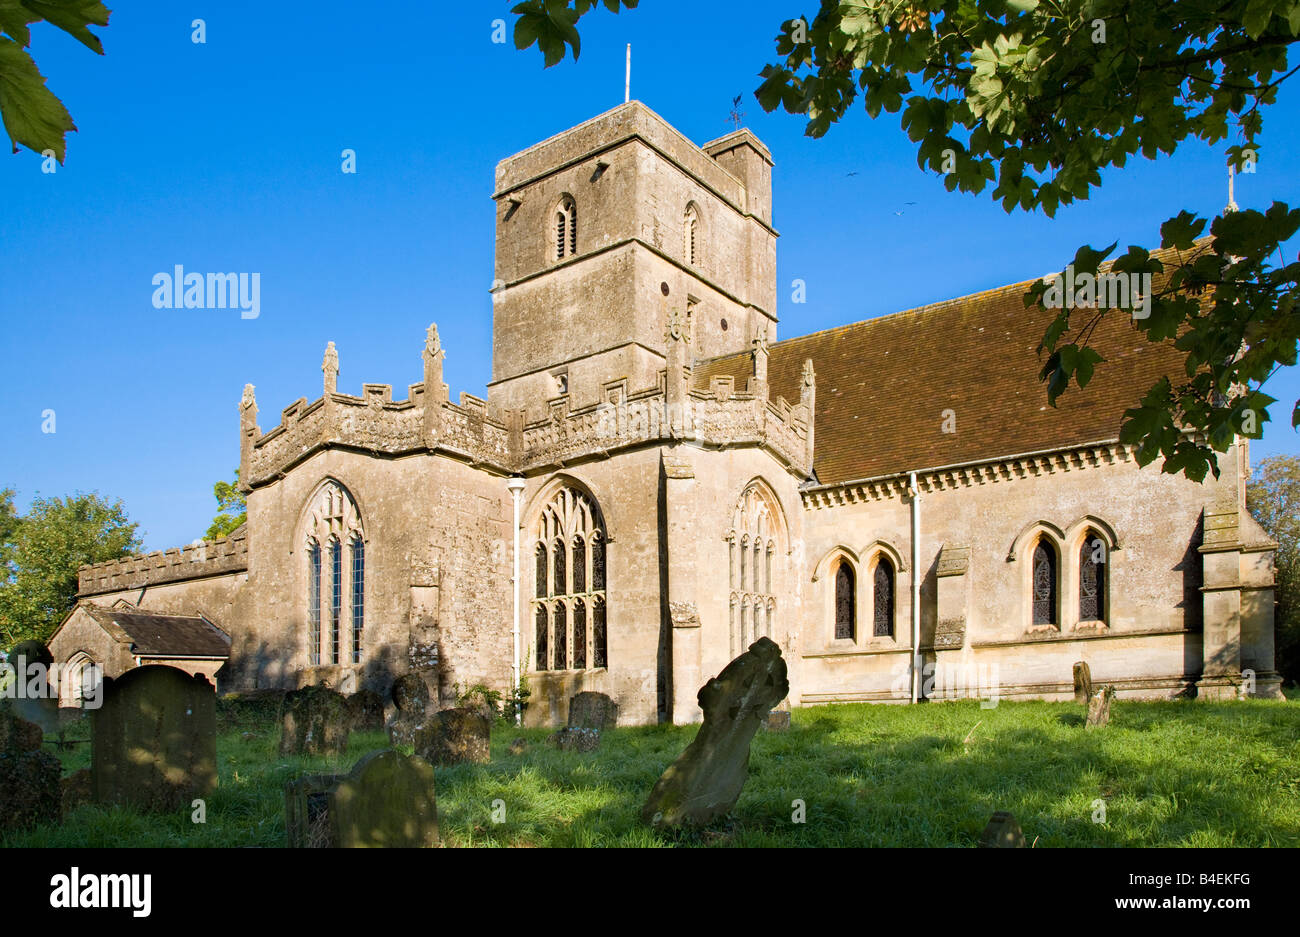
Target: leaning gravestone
[29, 777]
[1082, 682]
[367, 710]
[387, 800]
[1003, 832]
[588, 710]
[154, 740]
[706, 779]
[1099, 706]
[411, 723]
[316, 721]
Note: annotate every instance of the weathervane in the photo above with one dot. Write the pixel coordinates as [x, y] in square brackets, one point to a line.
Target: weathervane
[737, 115]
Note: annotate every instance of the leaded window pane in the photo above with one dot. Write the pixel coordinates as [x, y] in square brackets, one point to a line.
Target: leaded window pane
[336, 597]
[358, 596]
[883, 587]
[540, 638]
[579, 566]
[1092, 580]
[579, 635]
[599, 657]
[313, 603]
[561, 636]
[597, 563]
[845, 603]
[1044, 585]
[560, 586]
[541, 570]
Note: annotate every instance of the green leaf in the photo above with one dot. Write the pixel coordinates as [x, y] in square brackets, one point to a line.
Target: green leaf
[14, 18]
[33, 116]
[1255, 20]
[73, 16]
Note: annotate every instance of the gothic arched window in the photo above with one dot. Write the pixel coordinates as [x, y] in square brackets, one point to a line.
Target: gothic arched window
[882, 588]
[566, 229]
[846, 614]
[691, 234]
[570, 538]
[754, 527]
[331, 520]
[1044, 584]
[1092, 579]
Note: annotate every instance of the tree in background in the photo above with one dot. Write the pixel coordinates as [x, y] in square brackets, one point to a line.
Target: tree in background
[1273, 496]
[1031, 99]
[232, 511]
[32, 115]
[42, 552]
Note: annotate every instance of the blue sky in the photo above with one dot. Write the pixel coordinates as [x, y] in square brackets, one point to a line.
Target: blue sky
[226, 156]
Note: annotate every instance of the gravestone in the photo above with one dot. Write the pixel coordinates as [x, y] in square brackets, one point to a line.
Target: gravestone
[1099, 706]
[366, 708]
[588, 710]
[705, 781]
[1082, 682]
[1003, 832]
[575, 739]
[518, 746]
[36, 701]
[386, 800]
[154, 740]
[778, 720]
[410, 695]
[29, 777]
[316, 721]
[456, 736]
[75, 790]
[412, 722]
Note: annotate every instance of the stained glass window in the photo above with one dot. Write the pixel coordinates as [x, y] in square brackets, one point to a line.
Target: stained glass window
[570, 568]
[845, 602]
[883, 598]
[358, 595]
[543, 663]
[313, 602]
[579, 635]
[1044, 584]
[1092, 580]
[336, 597]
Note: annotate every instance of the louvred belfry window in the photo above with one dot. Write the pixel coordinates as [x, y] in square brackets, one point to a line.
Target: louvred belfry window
[566, 229]
[570, 584]
[1044, 584]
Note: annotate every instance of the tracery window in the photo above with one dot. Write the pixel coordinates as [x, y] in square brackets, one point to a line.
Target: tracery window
[566, 229]
[752, 541]
[1044, 584]
[882, 588]
[331, 520]
[846, 615]
[1092, 579]
[569, 607]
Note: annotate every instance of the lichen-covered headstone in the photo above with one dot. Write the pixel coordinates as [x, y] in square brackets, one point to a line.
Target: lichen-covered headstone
[588, 710]
[705, 781]
[367, 709]
[29, 777]
[387, 800]
[1082, 682]
[410, 694]
[456, 736]
[154, 740]
[412, 722]
[316, 721]
[575, 739]
[1099, 706]
[1003, 832]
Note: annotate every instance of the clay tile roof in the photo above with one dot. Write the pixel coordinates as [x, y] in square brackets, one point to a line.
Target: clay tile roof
[883, 385]
[166, 635]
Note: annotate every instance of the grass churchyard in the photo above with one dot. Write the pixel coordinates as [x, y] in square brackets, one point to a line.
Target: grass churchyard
[1161, 774]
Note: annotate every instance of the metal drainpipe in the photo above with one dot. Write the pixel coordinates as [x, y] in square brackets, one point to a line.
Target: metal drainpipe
[915, 493]
[516, 487]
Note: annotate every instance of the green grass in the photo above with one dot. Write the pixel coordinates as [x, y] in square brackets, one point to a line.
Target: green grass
[1170, 774]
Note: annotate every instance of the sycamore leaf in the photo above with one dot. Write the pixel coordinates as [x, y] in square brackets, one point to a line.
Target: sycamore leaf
[14, 18]
[1255, 20]
[73, 16]
[33, 116]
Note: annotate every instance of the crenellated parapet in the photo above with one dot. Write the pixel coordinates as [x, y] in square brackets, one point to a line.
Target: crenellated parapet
[208, 558]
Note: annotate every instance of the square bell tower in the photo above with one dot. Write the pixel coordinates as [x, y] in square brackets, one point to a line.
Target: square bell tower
[606, 231]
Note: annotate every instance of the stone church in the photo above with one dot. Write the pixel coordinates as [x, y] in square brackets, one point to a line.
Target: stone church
[655, 481]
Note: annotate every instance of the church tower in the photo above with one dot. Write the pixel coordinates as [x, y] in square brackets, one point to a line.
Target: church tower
[609, 232]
